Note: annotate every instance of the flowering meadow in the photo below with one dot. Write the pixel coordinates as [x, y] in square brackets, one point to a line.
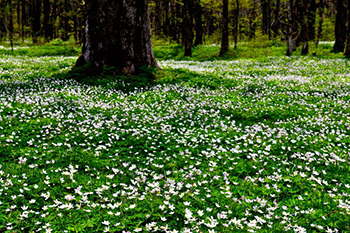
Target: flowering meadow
[250, 145]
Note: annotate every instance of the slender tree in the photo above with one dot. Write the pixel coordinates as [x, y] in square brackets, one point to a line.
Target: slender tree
[275, 23]
[117, 34]
[236, 23]
[320, 22]
[225, 29]
[36, 23]
[46, 24]
[290, 28]
[266, 12]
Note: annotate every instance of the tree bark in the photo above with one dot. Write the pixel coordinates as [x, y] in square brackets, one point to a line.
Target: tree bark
[117, 35]
[275, 24]
[199, 23]
[46, 25]
[236, 24]
[340, 27]
[290, 29]
[65, 20]
[23, 18]
[347, 49]
[36, 25]
[187, 27]
[305, 26]
[320, 23]
[266, 11]
[312, 20]
[225, 31]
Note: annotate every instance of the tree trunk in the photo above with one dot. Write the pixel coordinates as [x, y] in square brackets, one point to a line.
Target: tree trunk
[23, 18]
[266, 8]
[275, 24]
[11, 26]
[347, 50]
[118, 34]
[290, 29]
[36, 25]
[236, 23]
[311, 18]
[187, 27]
[340, 27]
[225, 31]
[65, 21]
[199, 24]
[305, 26]
[320, 23]
[46, 25]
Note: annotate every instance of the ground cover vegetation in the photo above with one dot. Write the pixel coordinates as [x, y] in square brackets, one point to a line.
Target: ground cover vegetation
[258, 144]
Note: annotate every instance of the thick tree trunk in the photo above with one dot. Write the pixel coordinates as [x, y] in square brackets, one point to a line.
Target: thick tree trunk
[199, 23]
[187, 27]
[340, 27]
[117, 34]
[225, 31]
[347, 49]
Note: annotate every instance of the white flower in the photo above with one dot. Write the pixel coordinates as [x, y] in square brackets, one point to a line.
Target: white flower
[106, 223]
[200, 213]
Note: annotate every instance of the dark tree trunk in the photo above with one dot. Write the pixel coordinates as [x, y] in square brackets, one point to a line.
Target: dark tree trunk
[117, 34]
[199, 24]
[18, 7]
[347, 49]
[305, 26]
[175, 25]
[311, 18]
[340, 27]
[46, 25]
[23, 18]
[187, 27]
[166, 20]
[266, 11]
[320, 23]
[252, 20]
[36, 25]
[290, 28]
[65, 21]
[11, 25]
[235, 32]
[225, 31]
[158, 18]
[275, 23]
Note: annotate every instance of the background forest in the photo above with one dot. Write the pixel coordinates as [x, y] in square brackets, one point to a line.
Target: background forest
[188, 22]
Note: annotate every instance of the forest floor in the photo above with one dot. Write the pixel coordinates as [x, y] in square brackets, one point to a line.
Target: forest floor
[258, 144]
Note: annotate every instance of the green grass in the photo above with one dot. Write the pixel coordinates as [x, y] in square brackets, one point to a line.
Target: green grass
[251, 144]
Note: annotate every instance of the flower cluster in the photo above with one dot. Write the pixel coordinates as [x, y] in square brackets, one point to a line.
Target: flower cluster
[258, 146]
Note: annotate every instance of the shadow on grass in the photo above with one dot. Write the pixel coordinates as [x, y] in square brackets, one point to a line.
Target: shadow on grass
[112, 79]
